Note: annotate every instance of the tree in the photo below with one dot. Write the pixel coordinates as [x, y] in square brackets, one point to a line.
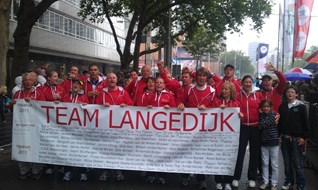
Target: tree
[186, 16]
[4, 38]
[242, 63]
[203, 42]
[28, 13]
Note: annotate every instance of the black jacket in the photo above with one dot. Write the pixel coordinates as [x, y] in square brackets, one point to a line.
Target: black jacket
[293, 121]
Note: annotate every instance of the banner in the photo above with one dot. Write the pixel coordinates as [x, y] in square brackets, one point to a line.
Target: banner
[128, 138]
[303, 16]
[261, 57]
[288, 27]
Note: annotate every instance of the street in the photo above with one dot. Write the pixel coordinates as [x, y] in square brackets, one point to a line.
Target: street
[133, 181]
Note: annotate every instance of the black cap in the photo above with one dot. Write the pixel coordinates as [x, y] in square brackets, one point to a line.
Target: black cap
[228, 65]
[78, 80]
[266, 77]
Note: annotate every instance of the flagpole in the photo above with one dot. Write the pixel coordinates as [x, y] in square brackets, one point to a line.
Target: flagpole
[294, 40]
[278, 37]
[283, 45]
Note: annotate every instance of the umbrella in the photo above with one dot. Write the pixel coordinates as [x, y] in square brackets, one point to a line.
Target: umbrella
[299, 70]
[311, 66]
[297, 76]
[313, 58]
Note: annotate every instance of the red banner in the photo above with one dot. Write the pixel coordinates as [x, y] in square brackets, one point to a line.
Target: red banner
[303, 15]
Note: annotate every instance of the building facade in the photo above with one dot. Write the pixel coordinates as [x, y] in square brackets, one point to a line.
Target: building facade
[61, 39]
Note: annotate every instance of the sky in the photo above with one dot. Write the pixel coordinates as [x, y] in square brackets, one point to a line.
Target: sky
[269, 33]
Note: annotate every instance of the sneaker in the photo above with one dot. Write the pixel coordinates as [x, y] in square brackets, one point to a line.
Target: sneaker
[263, 186]
[161, 180]
[227, 187]
[49, 171]
[119, 176]
[219, 186]
[300, 188]
[143, 174]
[235, 183]
[274, 187]
[60, 170]
[184, 182]
[202, 185]
[24, 176]
[36, 176]
[287, 185]
[83, 177]
[251, 183]
[150, 179]
[67, 176]
[104, 176]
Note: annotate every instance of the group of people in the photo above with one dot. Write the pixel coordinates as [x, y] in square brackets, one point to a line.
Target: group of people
[266, 121]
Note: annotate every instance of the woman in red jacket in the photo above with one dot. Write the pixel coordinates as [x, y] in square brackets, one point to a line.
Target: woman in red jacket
[148, 94]
[249, 99]
[53, 92]
[227, 99]
[163, 97]
[51, 89]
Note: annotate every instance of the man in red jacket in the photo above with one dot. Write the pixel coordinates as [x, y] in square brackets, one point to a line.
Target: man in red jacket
[199, 96]
[113, 95]
[228, 76]
[136, 87]
[68, 83]
[94, 84]
[273, 93]
[29, 92]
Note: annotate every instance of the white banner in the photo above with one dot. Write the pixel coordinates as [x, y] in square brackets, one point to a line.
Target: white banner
[129, 138]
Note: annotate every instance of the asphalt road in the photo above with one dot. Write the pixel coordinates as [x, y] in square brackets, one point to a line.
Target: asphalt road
[133, 181]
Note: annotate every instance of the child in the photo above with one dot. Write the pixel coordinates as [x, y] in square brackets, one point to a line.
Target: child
[293, 129]
[269, 143]
[76, 95]
[4, 103]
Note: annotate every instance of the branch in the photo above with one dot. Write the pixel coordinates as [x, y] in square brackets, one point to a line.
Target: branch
[41, 8]
[158, 12]
[112, 28]
[151, 50]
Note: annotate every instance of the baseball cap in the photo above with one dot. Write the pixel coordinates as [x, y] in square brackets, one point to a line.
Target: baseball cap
[266, 77]
[78, 80]
[229, 65]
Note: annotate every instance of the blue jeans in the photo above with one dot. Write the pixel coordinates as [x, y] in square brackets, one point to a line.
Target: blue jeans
[293, 160]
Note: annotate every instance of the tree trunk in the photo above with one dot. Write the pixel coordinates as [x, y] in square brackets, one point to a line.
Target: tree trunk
[5, 6]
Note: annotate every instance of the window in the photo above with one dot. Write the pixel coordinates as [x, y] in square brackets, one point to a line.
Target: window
[44, 20]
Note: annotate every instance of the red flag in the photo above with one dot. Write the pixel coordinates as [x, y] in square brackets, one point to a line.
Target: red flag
[303, 15]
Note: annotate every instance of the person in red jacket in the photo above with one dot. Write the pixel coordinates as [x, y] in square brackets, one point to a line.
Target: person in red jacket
[273, 93]
[75, 95]
[249, 99]
[163, 98]
[227, 99]
[51, 89]
[29, 92]
[148, 95]
[199, 96]
[113, 95]
[228, 76]
[53, 92]
[68, 83]
[170, 83]
[137, 86]
[94, 84]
